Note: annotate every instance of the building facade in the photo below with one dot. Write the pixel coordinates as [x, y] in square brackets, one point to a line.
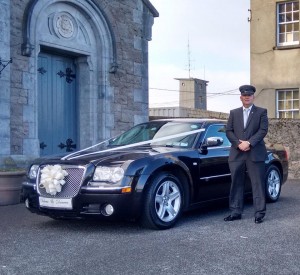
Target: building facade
[192, 93]
[275, 56]
[79, 73]
[192, 102]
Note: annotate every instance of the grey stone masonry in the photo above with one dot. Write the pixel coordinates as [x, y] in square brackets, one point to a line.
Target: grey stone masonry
[108, 41]
[5, 77]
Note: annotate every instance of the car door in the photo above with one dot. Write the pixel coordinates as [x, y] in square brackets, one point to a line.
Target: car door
[214, 174]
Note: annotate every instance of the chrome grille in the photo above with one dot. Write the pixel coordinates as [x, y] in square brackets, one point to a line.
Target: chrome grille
[73, 182]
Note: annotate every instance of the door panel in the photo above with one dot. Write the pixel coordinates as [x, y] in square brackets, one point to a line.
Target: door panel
[214, 173]
[56, 104]
[215, 177]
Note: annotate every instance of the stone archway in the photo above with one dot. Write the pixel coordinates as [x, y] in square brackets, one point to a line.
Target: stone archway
[79, 29]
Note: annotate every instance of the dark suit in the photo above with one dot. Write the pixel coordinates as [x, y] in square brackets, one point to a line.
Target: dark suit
[252, 160]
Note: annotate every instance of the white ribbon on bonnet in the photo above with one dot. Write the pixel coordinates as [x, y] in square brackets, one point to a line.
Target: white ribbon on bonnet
[67, 157]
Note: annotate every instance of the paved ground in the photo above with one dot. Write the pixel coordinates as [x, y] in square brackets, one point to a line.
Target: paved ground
[201, 243]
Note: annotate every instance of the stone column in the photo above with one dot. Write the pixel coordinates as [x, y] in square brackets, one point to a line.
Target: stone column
[4, 79]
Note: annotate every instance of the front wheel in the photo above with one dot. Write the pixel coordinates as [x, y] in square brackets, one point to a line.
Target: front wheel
[273, 183]
[163, 202]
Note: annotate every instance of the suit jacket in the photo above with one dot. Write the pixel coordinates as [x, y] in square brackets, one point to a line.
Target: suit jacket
[255, 131]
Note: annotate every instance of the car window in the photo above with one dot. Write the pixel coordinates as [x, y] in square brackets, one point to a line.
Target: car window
[174, 128]
[159, 129]
[218, 131]
[141, 132]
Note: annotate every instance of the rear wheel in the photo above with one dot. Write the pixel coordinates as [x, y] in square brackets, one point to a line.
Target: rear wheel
[163, 202]
[273, 183]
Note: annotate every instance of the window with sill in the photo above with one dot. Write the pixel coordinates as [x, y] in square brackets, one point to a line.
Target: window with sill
[288, 23]
[288, 103]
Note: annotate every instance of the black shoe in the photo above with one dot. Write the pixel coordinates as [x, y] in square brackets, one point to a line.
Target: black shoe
[232, 218]
[258, 220]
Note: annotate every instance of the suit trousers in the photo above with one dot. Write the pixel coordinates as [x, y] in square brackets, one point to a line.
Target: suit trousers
[256, 173]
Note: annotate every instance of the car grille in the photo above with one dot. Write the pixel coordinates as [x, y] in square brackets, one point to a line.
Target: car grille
[73, 182]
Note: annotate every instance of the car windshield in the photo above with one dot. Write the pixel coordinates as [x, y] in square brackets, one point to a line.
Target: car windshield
[159, 129]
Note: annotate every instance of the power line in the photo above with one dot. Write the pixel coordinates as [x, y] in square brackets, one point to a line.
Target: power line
[175, 102]
[161, 89]
[166, 104]
[229, 92]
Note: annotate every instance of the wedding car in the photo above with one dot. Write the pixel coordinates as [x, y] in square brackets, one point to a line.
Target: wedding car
[150, 173]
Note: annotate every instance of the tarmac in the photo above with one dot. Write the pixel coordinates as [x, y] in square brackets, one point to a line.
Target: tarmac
[201, 243]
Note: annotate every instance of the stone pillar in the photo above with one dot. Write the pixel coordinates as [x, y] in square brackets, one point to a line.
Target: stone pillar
[145, 18]
[4, 79]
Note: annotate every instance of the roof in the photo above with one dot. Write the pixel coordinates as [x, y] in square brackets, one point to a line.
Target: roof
[152, 9]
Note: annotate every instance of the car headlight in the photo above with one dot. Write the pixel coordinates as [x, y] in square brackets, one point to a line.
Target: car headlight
[110, 174]
[33, 172]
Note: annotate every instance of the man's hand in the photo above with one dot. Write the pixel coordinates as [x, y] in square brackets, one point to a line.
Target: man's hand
[244, 145]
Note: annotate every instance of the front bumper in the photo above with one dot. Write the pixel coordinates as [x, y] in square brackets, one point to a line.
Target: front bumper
[88, 203]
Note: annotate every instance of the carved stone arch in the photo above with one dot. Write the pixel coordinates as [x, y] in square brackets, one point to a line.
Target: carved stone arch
[79, 28]
[88, 6]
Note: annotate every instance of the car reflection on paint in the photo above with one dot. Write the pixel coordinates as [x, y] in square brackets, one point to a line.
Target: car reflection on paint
[151, 173]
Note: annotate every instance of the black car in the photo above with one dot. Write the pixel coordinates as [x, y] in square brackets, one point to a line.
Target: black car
[152, 173]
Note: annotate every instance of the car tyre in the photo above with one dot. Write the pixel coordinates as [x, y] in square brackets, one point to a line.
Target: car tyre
[163, 202]
[273, 183]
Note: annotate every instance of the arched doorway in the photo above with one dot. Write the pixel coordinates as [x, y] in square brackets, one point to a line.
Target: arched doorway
[72, 38]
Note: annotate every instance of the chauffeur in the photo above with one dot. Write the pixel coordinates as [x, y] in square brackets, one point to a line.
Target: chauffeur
[246, 128]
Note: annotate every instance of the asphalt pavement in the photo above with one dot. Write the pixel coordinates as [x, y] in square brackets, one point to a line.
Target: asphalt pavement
[201, 243]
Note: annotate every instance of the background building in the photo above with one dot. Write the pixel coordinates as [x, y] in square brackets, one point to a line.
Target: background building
[192, 93]
[275, 56]
[79, 73]
[192, 102]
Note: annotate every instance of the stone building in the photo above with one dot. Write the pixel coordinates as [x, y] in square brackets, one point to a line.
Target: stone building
[275, 56]
[79, 73]
[192, 93]
[192, 101]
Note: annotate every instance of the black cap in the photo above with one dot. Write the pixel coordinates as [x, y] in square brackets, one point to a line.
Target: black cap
[247, 90]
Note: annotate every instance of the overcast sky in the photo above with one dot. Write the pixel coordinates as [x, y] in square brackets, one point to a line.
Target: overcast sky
[219, 50]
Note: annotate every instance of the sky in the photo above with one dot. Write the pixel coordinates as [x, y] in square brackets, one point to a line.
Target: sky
[203, 39]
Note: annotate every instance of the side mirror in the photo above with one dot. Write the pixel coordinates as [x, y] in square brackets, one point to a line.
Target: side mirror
[213, 141]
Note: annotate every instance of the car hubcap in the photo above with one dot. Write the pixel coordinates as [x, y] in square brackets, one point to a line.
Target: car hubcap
[167, 201]
[273, 184]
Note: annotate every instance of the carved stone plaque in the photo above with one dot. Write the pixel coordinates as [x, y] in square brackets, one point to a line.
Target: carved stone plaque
[65, 25]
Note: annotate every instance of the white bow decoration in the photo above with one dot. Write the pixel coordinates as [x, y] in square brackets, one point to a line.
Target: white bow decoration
[52, 178]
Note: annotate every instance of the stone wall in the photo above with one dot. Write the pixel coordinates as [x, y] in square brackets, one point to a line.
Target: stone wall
[184, 112]
[4, 77]
[287, 132]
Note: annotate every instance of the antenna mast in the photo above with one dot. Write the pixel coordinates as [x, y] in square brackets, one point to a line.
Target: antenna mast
[189, 58]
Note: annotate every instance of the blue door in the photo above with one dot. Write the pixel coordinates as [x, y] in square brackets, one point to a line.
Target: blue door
[57, 129]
